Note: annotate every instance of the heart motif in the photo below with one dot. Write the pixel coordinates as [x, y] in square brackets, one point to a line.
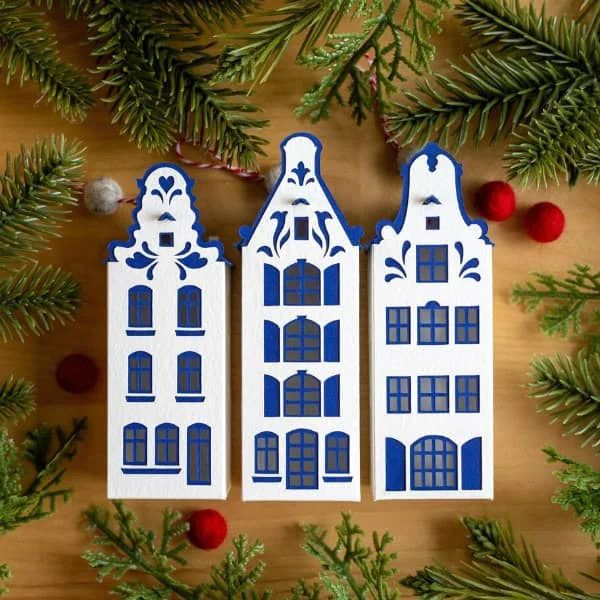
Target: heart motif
[166, 183]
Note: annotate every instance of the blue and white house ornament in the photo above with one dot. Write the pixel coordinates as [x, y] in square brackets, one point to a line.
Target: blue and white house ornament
[431, 341]
[300, 339]
[168, 349]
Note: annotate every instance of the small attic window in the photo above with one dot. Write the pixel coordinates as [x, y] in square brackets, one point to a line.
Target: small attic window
[301, 228]
[166, 239]
[432, 223]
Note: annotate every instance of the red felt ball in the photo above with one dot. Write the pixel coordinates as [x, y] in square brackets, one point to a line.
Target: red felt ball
[208, 528]
[496, 200]
[544, 222]
[77, 373]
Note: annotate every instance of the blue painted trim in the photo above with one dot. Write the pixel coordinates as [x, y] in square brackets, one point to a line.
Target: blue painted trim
[189, 398]
[150, 471]
[432, 151]
[140, 332]
[470, 455]
[330, 479]
[354, 233]
[395, 465]
[431, 200]
[166, 216]
[139, 398]
[189, 332]
[135, 226]
[259, 479]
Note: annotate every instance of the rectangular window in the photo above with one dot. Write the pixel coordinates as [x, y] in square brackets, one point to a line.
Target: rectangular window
[166, 239]
[432, 264]
[434, 394]
[467, 393]
[398, 324]
[432, 223]
[398, 394]
[467, 325]
[266, 453]
[433, 324]
[301, 228]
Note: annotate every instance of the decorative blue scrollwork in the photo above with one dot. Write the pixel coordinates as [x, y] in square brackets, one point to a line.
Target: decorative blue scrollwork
[301, 172]
[467, 270]
[397, 268]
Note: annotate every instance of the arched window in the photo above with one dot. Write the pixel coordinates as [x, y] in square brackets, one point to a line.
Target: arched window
[166, 445]
[140, 306]
[189, 309]
[140, 373]
[189, 375]
[302, 396]
[302, 460]
[134, 444]
[302, 285]
[266, 453]
[434, 464]
[302, 341]
[337, 456]
[198, 454]
[433, 324]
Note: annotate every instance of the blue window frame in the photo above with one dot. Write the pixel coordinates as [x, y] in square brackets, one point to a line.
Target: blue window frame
[302, 285]
[140, 306]
[467, 393]
[189, 310]
[434, 464]
[189, 377]
[398, 393]
[135, 440]
[301, 228]
[199, 454]
[434, 394]
[166, 239]
[432, 264]
[140, 375]
[166, 446]
[302, 341]
[302, 460]
[467, 325]
[397, 324]
[337, 452]
[433, 324]
[266, 453]
[432, 223]
[302, 396]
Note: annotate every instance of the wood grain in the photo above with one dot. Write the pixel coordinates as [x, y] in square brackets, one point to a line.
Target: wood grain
[360, 171]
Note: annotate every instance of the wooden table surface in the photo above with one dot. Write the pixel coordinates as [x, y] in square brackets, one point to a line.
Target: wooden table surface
[360, 171]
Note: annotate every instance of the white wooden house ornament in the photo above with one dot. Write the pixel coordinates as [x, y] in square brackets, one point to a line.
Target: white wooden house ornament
[300, 340]
[168, 349]
[431, 341]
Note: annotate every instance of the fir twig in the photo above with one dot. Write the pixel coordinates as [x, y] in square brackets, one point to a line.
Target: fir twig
[569, 391]
[16, 399]
[4, 575]
[37, 189]
[581, 492]
[34, 299]
[134, 548]
[590, 164]
[28, 47]
[590, 14]
[567, 298]
[499, 568]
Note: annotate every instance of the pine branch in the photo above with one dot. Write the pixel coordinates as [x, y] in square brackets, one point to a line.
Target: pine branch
[569, 391]
[499, 568]
[590, 14]
[590, 164]
[28, 47]
[16, 399]
[34, 299]
[47, 449]
[37, 189]
[134, 548]
[553, 145]
[4, 575]
[581, 492]
[569, 298]
[350, 569]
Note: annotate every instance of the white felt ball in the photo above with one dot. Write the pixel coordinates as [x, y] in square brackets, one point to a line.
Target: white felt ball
[272, 176]
[102, 195]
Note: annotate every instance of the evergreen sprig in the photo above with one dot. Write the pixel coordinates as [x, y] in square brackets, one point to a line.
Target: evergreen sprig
[16, 399]
[498, 568]
[533, 76]
[135, 548]
[568, 389]
[47, 449]
[580, 492]
[351, 569]
[28, 48]
[564, 299]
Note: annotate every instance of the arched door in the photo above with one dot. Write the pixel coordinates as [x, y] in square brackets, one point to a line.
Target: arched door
[302, 460]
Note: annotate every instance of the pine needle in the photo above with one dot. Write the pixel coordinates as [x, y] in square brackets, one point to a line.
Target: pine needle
[16, 399]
